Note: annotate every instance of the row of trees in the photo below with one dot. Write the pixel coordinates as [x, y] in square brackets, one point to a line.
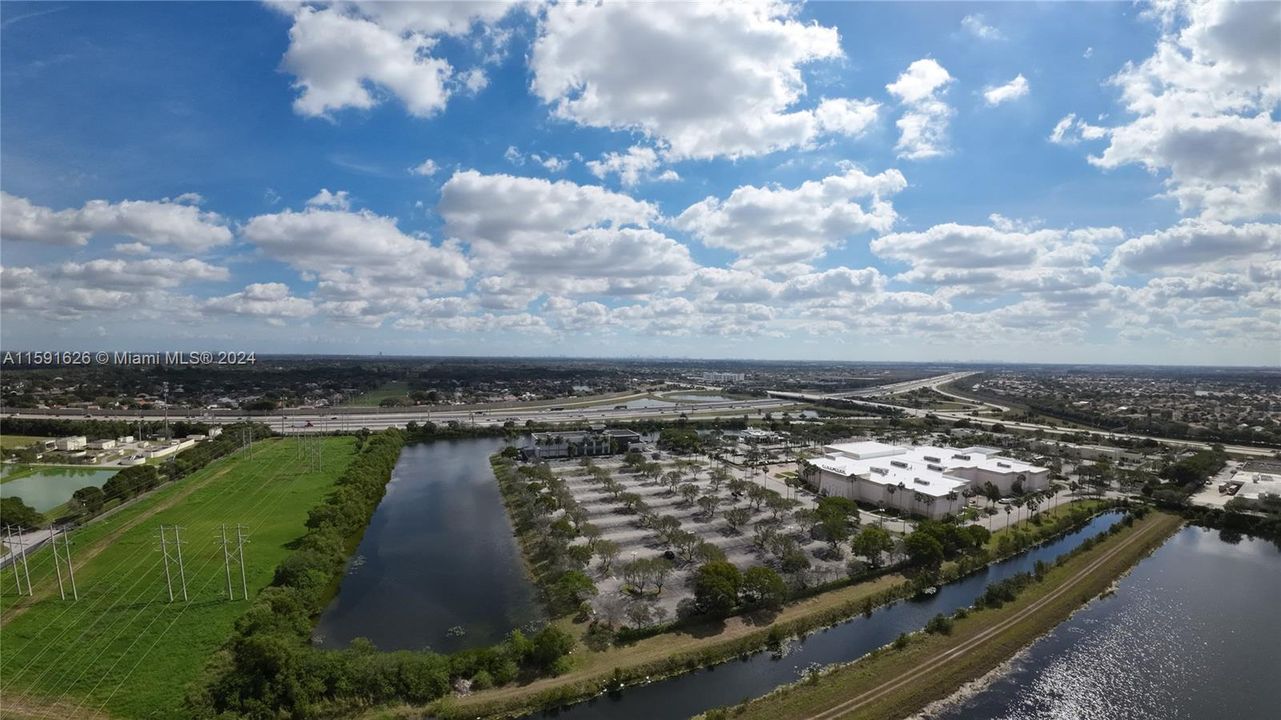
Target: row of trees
[550, 522]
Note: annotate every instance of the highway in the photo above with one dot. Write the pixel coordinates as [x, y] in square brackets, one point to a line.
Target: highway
[606, 410]
[953, 415]
[331, 419]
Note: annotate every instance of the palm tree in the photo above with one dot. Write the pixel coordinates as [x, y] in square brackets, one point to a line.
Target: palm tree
[1008, 510]
[951, 502]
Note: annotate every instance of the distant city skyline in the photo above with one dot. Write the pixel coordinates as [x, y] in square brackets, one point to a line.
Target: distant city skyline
[936, 182]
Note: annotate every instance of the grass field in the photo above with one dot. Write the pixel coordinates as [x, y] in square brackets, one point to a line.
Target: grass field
[395, 389]
[123, 650]
[900, 682]
[17, 441]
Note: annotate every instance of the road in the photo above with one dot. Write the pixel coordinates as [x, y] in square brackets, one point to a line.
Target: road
[576, 410]
[902, 387]
[953, 415]
[328, 420]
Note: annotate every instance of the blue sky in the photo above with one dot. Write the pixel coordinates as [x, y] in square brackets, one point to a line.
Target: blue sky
[1080, 182]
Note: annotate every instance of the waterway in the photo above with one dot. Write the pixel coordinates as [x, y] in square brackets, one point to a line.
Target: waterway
[439, 553]
[1192, 632]
[728, 683]
[47, 488]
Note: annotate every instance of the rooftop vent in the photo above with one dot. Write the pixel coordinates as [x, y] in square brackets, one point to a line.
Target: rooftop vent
[898, 463]
[931, 458]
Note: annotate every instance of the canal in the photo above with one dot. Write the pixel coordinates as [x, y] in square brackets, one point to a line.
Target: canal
[438, 557]
[1192, 632]
[731, 682]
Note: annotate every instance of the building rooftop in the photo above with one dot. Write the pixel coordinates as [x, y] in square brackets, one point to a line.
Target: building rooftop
[865, 449]
[926, 469]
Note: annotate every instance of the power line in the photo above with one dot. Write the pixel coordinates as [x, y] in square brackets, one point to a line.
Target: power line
[238, 556]
[59, 558]
[59, 661]
[226, 560]
[19, 556]
[240, 550]
[176, 558]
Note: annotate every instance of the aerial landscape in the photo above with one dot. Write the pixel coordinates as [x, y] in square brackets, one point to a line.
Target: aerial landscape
[640, 360]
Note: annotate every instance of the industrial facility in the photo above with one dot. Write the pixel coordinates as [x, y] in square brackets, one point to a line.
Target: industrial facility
[921, 480]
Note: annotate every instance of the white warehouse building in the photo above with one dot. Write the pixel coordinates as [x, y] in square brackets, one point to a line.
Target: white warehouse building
[922, 480]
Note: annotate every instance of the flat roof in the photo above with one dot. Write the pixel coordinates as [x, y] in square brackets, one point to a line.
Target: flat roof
[866, 449]
[916, 476]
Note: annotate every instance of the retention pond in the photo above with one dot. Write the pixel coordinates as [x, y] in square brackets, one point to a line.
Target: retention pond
[49, 487]
[438, 567]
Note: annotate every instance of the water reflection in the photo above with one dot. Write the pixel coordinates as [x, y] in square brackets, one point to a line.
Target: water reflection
[438, 555]
[1192, 632]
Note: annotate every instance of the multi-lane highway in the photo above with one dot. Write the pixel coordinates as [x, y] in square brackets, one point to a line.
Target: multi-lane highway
[937, 381]
[330, 419]
[610, 409]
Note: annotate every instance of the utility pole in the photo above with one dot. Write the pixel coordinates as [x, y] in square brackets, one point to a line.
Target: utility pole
[226, 561]
[26, 570]
[164, 550]
[58, 559]
[71, 570]
[182, 573]
[57, 565]
[240, 549]
[17, 555]
[177, 557]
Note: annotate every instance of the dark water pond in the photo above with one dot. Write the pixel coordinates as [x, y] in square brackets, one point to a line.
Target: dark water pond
[438, 554]
[1192, 632]
[731, 682]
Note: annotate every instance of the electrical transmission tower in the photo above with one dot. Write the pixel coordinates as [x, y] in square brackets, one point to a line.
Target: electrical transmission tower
[241, 539]
[175, 558]
[309, 451]
[63, 557]
[19, 556]
[237, 556]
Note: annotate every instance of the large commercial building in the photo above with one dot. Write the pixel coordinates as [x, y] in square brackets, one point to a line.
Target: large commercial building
[921, 480]
[553, 445]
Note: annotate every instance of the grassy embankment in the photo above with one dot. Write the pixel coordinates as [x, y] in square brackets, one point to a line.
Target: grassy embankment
[123, 649]
[692, 647]
[895, 682]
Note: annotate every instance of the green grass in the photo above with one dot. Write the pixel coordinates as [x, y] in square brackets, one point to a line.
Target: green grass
[394, 389]
[17, 441]
[123, 648]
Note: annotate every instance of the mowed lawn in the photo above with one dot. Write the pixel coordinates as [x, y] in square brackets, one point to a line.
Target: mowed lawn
[17, 441]
[122, 649]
